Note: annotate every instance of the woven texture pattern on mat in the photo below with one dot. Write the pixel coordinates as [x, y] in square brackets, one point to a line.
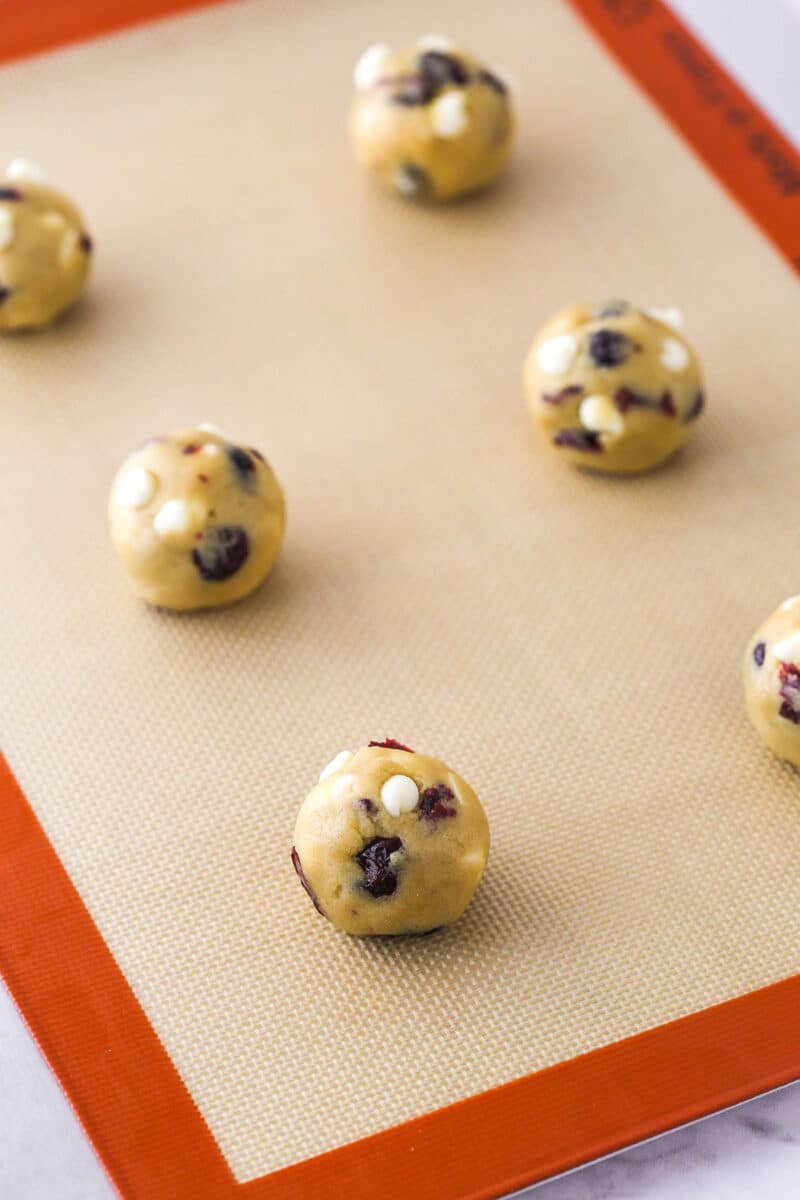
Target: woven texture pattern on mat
[570, 644]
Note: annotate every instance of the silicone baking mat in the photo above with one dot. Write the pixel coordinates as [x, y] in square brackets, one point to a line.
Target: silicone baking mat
[570, 643]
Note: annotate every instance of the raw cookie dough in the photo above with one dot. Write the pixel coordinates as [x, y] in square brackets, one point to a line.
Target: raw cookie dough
[614, 387]
[390, 842]
[45, 252]
[432, 122]
[772, 680]
[196, 520]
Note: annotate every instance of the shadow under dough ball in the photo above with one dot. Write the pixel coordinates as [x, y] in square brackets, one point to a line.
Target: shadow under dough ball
[390, 842]
[196, 520]
[614, 387]
[772, 680]
[45, 251]
[430, 123]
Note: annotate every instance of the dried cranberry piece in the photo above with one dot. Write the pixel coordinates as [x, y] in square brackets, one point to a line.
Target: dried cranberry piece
[438, 69]
[579, 439]
[4, 293]
[369, 806]
[625, 398]
[86, 244]
[224, 550]
[380, 877]
[436, 803]
[698, 404]
[574, 389]
[298, 866]
[609, 347]
[391, 744]
[790, 692]
[10, 193]
[493, 82]
[192, 448]
[758, 653]
[243, 463]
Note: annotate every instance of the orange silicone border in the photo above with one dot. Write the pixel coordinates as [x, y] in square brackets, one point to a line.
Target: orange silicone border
[156, 1146]
[737, 141]
[31, 26]
[120, 1080]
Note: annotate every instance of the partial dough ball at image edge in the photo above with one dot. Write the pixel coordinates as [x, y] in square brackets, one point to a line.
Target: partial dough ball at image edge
[614, 387]
[430, 123]
[196, 520]
[390, 842]
[772, 680]
[45, 250]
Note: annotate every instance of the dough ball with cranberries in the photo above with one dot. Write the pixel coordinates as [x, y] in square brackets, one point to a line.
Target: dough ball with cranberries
[196, 519]
[430, 123]
[614, 387]
[772, 680]
[45, 251]
[390, 842]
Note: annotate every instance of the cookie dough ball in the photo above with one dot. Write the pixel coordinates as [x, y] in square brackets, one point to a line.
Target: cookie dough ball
[432, 122]
[772, 680]
[45, 251]
[614, 387]
[196, 520]
[390, 842]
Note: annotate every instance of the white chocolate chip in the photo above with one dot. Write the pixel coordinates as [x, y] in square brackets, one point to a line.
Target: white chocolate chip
[556, 355]
[399, 794]
[598, 414]
[344, 787]
[788, 650]
[210, 448]
[6, 229]
[172, 517]
[449, 114]
[136, 488]
[370, 66]
[668, 316]
[22, 170]
[69, 245]
[209, 427]
[674, 355]
[790, 603]
[435, 41]
[335, 764]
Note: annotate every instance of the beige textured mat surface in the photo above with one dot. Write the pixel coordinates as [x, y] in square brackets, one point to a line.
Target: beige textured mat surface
[570, 644]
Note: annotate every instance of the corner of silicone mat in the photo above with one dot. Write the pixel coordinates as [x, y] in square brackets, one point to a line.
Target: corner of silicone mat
[154, 1142]
[729, 133]
[35, 26]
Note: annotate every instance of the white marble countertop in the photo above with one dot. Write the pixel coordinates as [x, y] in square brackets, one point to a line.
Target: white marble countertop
[745, 1152]
[749, 1151]
[736, 1155]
